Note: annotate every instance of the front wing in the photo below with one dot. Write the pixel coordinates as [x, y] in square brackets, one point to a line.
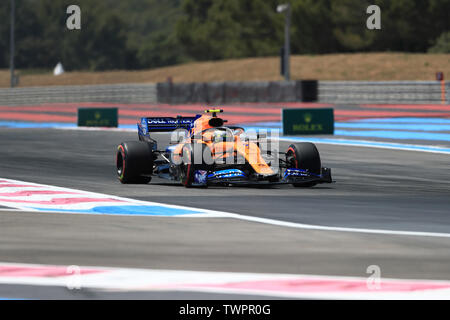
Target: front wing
[238, 177]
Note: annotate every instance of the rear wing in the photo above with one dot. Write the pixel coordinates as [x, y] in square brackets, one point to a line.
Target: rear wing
[165, 124]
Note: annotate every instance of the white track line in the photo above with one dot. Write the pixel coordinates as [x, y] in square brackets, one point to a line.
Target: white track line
[339, 229]
[372, 144]
[263, 284]
[203, 213]
[341, 142]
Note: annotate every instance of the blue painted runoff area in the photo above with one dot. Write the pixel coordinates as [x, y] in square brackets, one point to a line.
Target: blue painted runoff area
[389, 128]
[370, 144]
[403, 135]
[49, 125]
[36, 125]
[405, 120]
[145, 210]
[393, 126]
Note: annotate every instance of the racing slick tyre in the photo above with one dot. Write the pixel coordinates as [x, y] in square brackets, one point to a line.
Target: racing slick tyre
[304, 156]
[196, 156]
[134, 161]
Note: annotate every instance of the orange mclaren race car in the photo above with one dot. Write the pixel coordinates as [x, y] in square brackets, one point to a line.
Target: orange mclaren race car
[203, 151]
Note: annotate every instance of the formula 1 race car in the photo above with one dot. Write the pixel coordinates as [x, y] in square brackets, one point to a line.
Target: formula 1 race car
[202, 152]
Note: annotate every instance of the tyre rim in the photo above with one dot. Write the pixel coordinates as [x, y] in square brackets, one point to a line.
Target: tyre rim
[185, 166]
[290, 159]
[120, 164]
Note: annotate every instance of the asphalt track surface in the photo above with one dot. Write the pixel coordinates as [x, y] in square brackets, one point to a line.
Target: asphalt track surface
[374, 189]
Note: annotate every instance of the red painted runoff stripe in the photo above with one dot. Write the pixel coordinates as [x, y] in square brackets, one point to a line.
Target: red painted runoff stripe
[276, 116]
[58, 201]
[194, 111]
[327, 285]
[234, 113]
[37, 117]
[231, 118]
[408, 107]
[313, 286]
[25, 193]
[45, 271]
[41, 109]
[373, 113]
[73, 108]
[15, 185]
[147, 113]
[136, 110]
[244, 107]
[63, 106]
[241, 107]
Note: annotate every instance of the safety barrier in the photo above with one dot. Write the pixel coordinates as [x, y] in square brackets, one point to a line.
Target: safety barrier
[381, 92]
[305, 91]
[235, 92]
[115, 93]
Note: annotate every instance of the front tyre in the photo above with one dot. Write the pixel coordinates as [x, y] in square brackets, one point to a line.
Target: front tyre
[134, 162]
[187, 167]
[196, 156]
[304, 156]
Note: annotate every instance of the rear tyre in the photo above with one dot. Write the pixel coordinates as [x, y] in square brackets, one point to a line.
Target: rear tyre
[134, 162]
[304, 156]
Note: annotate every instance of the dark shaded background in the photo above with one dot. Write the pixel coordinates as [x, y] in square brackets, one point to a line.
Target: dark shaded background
[138, 34]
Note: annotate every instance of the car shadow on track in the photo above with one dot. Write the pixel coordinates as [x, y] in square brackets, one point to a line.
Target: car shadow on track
[250, 186]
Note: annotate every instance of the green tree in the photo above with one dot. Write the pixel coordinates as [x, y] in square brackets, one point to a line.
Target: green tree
[115, 34]
[442, 44]
[101, 42]
[4, 34]
[349, 25]
[149, 26]
[135, 34]
[411, 25]
[222, 29]
[312, 27]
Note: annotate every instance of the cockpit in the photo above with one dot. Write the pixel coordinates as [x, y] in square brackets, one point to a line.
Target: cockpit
[220, 134]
